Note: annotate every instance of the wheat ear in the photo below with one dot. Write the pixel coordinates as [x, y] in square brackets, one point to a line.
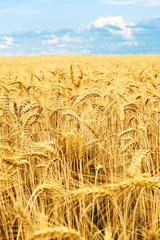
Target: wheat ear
[58, 233]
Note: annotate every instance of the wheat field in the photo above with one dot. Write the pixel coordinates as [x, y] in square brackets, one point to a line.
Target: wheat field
[80, 147]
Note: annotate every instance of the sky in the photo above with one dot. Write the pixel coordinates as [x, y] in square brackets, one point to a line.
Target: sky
[48, 27]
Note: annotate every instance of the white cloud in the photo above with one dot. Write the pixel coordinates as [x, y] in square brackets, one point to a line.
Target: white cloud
[86, 51]
[61, 40]
[61, 45]
[116, 21]
[129, 44]
[68, 39]
[128, 2]
[8, 41]
[121, 46]
[126, 33]
[53, 40]
[2, 46]
[38, 31]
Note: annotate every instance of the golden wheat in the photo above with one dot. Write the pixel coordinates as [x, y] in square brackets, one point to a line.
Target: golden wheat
[80, 147]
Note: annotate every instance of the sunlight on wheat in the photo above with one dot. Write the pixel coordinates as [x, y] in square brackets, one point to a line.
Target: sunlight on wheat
[80, 147]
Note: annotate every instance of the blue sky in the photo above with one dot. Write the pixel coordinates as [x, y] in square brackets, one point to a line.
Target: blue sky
[36, 27]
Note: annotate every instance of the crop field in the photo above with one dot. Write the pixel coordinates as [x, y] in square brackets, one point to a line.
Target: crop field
[80, 147]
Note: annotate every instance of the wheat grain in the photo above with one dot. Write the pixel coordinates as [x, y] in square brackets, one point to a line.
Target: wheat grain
[57, 232]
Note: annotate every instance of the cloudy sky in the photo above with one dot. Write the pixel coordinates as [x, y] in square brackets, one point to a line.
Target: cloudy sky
[36, 27]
